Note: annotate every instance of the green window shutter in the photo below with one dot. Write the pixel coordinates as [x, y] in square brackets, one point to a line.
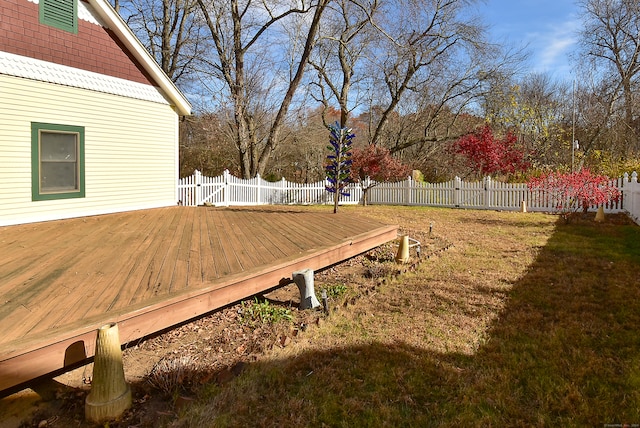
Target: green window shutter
[62, 14]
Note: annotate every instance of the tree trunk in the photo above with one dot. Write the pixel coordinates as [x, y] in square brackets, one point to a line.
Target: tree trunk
[274, 135]
[365, 193]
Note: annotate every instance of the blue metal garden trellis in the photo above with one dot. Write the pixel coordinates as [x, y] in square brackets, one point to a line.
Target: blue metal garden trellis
[339, 161]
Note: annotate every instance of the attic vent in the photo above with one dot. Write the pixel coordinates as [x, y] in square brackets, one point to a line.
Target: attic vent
[62, 14]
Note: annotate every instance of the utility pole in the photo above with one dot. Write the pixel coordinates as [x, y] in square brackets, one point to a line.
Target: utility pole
[574, 142]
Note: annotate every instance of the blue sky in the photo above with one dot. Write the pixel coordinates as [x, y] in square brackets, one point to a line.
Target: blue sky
[546, 27]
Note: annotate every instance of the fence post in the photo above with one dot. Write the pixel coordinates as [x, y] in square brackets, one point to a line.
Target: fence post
[634, 202]
[457, 184]
[625, 197]
[284, 198]
[326, 193]
[225, 189]
[258, 188]
[198, 184]
[487, 192]
[407, 191]
[367, 185]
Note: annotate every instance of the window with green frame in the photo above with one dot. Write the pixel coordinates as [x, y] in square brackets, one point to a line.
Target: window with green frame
[62, 14]
[57, 161]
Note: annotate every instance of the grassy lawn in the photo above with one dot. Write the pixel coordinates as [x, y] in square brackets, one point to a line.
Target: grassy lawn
[523, 321]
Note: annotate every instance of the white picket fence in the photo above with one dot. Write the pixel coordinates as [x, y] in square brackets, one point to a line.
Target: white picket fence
[227, 190]
[631, 193]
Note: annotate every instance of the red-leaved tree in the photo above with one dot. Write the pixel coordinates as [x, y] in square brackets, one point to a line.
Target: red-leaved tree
[572, 191]
[373, 165]
[488, 155]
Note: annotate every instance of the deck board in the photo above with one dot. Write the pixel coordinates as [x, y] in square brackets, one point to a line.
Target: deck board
[257, 237]
[126, 243]
[237, 242]
[292, 232]
[151, 269]
[224, 246]
[137, 277]
[192, 257]
[219, 261]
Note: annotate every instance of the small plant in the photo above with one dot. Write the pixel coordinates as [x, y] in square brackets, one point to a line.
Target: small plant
[263, 312]
[170, 374]
[335, 290]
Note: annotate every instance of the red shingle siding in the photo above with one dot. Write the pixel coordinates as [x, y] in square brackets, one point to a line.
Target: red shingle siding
[94, 48]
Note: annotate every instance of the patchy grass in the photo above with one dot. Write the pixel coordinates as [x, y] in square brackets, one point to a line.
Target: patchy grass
[261, 312]
[333, 291]
[524, 321]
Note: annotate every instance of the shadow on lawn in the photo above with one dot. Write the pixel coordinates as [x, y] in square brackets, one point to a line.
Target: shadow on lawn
[564, 352]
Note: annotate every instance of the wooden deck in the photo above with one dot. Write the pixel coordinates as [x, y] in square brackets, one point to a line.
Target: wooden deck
[149, 270]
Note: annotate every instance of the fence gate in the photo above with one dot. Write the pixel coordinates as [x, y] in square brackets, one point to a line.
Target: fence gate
[198, 189]
[471, 195]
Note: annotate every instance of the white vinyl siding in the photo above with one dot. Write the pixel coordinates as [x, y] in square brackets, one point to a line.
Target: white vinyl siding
[130, 150]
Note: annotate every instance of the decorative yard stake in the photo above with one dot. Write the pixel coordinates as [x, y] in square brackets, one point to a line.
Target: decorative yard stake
[325, 301]
[339, 161]
[110, 395]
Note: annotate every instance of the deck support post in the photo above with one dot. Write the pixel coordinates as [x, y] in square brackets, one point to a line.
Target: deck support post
[403, 250]
[304, 280]
[110, 395]
[523, 206]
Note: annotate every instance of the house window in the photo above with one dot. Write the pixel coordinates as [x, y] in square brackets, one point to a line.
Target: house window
[62, 14]
[57, 161]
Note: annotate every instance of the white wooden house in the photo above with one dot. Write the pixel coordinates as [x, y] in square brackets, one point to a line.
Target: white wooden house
[88, 120]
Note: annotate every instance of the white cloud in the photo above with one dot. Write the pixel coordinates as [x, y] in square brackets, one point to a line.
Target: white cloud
[552, 47]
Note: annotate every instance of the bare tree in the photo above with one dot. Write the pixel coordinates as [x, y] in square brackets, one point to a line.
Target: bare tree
[345, 36]
[610, 43]
[538, 110]
[205, 146]
[241, 31]
[418, 65]
[418, 40]
[411, 70]
[595, 118]
[414, 66]
[170, 30]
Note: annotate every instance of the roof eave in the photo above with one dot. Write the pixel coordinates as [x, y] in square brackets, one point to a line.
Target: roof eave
[124, 33]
